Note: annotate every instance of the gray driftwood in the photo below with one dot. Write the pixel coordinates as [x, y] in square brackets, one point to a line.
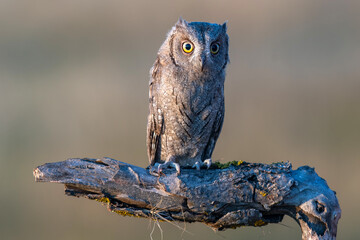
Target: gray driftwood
[242, 194]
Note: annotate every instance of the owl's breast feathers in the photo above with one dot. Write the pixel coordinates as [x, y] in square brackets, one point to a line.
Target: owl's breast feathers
[186, 115]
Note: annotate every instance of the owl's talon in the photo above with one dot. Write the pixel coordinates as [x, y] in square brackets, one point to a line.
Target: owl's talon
[197, 165]
[176, 166]
[154, 170]
[159, 168]
[208, 163]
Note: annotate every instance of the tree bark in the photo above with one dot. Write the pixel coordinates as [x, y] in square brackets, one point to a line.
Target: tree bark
[224, 196]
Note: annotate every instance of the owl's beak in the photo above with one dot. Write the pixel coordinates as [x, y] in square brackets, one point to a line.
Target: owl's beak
[203, 62]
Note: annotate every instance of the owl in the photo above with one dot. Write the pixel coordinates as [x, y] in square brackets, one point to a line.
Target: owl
[186, 96]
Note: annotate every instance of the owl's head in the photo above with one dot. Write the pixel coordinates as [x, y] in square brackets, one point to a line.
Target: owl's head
[198, 46]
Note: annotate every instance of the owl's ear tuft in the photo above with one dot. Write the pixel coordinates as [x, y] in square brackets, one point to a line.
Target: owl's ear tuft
[224, 26]
[181, 22]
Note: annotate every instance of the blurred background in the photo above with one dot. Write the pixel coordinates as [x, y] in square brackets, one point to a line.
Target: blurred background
[74, 83]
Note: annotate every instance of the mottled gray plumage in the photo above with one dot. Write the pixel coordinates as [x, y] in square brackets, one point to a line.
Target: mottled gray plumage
[186, 95]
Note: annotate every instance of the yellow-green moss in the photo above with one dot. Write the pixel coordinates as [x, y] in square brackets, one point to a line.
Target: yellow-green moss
[228, 164]
[259, 223]
[106, 201]
[124, 213]
[103, 200]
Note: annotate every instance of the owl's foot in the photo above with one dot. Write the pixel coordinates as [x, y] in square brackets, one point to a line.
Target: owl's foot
[199, 164]
[154, 170]
[169, 164]
[157, 169]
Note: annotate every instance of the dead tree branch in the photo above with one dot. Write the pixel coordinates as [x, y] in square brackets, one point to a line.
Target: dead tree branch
[241, 194]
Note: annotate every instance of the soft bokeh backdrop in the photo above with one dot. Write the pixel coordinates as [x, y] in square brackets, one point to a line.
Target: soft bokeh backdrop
[74, 83]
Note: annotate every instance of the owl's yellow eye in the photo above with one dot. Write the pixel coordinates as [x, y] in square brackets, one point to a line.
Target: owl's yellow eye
[214, 48]
[188, 47]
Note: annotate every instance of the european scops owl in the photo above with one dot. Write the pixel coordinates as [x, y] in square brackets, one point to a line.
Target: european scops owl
[186, 96]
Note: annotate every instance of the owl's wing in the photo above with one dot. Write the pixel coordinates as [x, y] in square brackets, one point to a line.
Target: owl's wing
[155, 118]
[215, 132]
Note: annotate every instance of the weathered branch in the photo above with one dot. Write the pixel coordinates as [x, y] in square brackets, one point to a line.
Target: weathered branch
[242, 194]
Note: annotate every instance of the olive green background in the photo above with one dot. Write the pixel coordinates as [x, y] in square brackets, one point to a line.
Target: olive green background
[74, 83]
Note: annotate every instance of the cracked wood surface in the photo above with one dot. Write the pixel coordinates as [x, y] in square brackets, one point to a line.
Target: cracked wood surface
[244, 194]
